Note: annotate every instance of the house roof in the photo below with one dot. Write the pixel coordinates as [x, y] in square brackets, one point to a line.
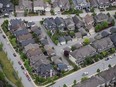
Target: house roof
[78, 45]
[21, 32]
[105, 33]
[102, 43]
[68, 21]
[16, 23]
[83, 31]
[59, 21]
[78, 35]
[113, 29]
[49, 49]
[67, 38]
[93, 3]
[44, 41]
[78, 22]
[98, 36]
[62, 66]
[83, 52]
[56, 59]
[24, 37]
[101, 17]
[88, 19]
[61, 39]
[36, 30]
[113, 38]
[103, 2]
[31, 46]
[30, 23]
[26, 42]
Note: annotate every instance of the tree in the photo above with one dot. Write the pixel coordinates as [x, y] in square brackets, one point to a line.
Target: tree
[104, 24]
[104, 53]
[72, 34]
[32, 5]
[15, 2]
[64, 85]
[113, 22]
[86, 41]
[98, 27]
[74, 82]
[109, 66]
[75, 68]
[73, 48]
[98, 70]
[66, 53]
[84, 79]
[56, 42]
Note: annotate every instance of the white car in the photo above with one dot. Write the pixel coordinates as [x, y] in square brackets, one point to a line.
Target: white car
[85, 73]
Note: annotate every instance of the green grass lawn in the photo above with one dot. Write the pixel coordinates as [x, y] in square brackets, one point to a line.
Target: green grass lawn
[8, 70]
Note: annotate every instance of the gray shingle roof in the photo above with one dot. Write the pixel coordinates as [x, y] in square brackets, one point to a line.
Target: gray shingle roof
[26, 42]
[61, 39]
[21, 32]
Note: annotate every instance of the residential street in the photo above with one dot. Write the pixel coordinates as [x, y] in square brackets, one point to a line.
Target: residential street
[8, 49]
[68, 80]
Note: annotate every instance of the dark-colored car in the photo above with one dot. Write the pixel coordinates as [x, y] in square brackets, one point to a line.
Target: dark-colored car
[14, 55]
[22, 67]
[4, 36]
[19, 62]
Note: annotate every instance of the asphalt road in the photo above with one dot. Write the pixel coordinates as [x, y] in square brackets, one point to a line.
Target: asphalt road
[68, 80]
[8, 49]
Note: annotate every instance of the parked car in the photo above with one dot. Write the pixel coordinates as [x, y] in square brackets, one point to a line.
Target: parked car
[14, 54]
[106, 59]
[85, 73]
[19, 62]
[4, 36]
[22, 67]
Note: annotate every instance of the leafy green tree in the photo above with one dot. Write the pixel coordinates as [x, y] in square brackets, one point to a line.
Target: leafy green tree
[56, 42]
[15, 2]
[98, 27]
[73, 48]
[72, 34]
[104, 24]
[74, 82]
[86, 41]
[98, 70]
[84, 79]
[104, 53]
[109, 66]
[113, 22]
[64, 85]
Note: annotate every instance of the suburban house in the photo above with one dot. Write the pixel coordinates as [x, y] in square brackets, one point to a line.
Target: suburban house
[32, 50]
[93, 3]
[39, 5]
[60, 23]
[16, 24]
[112, 2]
[113, 38]
[24, 37]
[26, 42]
[58, 62]
[62, 40]
[62, 4]
[49, 50]
[79, 55]
[44, 41]
[113, 30]
[49, 24]
[80, 4]
[103, 44]
[69, 23]
[101, 17]
[36, 30]
[103, 3]
[6, 7]
[103, 79]
[78, 35]
[78, 22]
[89, 22]
[68, 38]
[105, 33]
[83, 32]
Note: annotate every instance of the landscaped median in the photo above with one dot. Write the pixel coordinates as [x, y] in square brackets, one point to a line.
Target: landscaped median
[8, 69]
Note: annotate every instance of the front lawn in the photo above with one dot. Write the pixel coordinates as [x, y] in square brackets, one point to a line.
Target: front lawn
[111, 8]
[8, 70]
